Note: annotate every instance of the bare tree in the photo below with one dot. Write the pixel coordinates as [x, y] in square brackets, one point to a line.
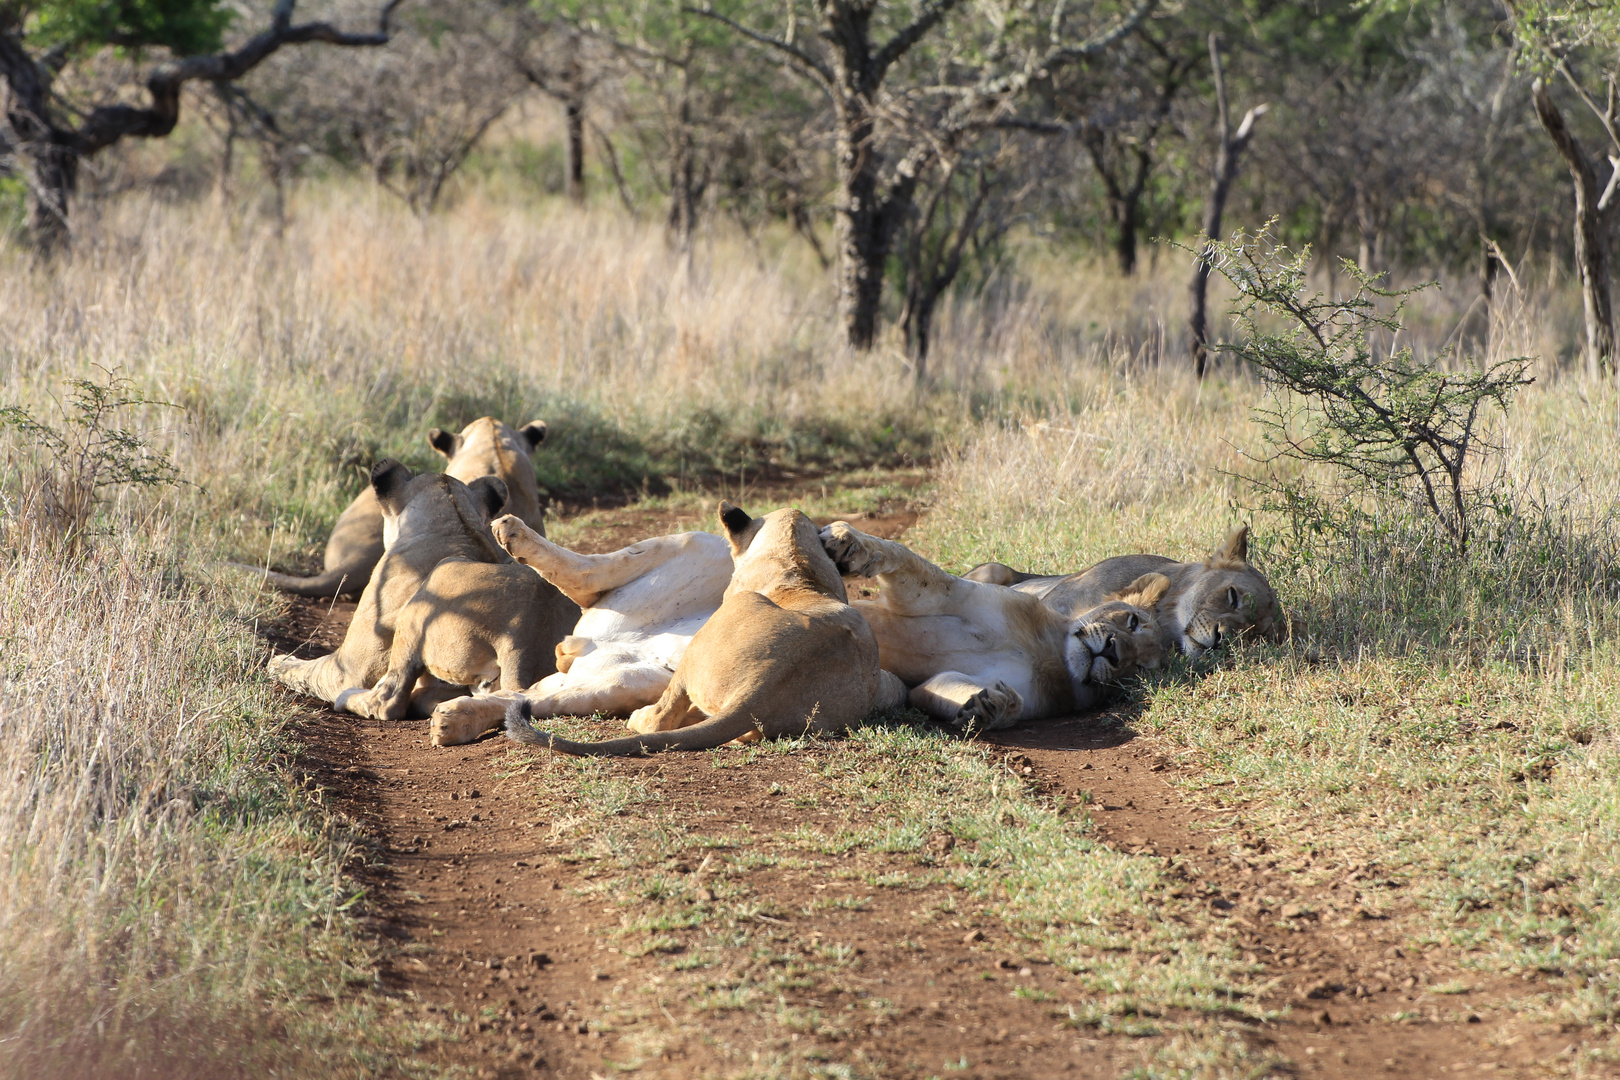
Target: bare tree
[1228, 154]
[1580, 44]
[53, 138]
[965, 207]
[414, 114]
[1124, 102]
[564, 63]
[888, 121]
[1594, 217]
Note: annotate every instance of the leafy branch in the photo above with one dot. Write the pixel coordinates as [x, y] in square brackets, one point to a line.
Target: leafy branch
[1386, 420]
[71, 464]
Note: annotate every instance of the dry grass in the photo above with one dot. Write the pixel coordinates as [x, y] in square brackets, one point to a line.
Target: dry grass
[1449, 720]
[163, 870]
[173, 904]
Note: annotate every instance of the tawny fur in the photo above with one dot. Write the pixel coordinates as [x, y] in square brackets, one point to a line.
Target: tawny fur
[981, 656]
[485, 447]
[1219, 599]
[785, 654]
[640, 605]
[445, 608]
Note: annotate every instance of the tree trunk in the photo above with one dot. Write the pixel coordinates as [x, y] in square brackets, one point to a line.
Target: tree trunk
[863, 246]
[1125, 215]
[1591, 247]
[574, 122]
[51, 166]
[1226, 170]
[53, 178]
[574, 182]
[685, 191]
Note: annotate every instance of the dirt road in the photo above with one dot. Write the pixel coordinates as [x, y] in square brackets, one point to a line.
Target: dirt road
[514, 938]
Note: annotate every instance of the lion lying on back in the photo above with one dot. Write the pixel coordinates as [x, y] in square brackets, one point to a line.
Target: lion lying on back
[784, 655]
[981, 657]
[1220, 599]
[640, 607]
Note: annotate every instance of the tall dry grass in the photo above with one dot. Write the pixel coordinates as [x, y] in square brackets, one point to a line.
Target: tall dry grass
[165, 874]
[1448, 723]
[169, 895]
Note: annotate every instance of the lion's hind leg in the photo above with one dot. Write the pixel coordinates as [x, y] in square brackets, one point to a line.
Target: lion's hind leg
[584, 578]
[967, 704]
[324, 677]
[466, 718]
[911, 584]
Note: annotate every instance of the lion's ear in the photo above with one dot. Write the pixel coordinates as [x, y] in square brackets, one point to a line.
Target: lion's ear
[734, 518]
[534, 433]
[388, 479]
[445, 442]
[1145, 592]
[490, 492]
[1235, 551]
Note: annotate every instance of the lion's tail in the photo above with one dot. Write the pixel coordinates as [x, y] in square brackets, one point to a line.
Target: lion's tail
[331, 583]
[715, 731]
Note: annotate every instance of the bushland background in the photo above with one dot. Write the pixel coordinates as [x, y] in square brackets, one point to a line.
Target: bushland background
[782, 245]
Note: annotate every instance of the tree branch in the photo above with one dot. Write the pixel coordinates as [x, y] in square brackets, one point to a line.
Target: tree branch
[1607, 198]
[962, 117]
[1061, 55]
[810, 63]
[901, 43]
[109, 123]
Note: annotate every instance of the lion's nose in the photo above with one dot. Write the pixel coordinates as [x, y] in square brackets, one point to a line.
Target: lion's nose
[1110, 651]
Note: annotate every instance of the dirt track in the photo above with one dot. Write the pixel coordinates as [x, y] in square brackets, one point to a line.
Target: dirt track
[492, 925]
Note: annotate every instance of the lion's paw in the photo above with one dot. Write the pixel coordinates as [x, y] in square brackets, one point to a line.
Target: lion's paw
[509, 530]
[358, 701]
[849, 550]
[989, 710]
[464, 719]
[281, 665]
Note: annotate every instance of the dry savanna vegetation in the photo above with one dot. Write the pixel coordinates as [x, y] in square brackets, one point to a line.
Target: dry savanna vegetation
[178, 901]
[1385, 846]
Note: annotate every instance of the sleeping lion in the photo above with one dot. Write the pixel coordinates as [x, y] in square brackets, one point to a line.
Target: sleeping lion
[981, 657]
[1220, 599]
[785, 654]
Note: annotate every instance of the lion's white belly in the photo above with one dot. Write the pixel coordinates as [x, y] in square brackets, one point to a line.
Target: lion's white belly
[916, 648]
[652, 618]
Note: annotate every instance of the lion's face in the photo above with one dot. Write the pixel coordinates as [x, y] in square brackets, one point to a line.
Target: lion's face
[1227, 605]
[1120, 636]
[1114, 641]
[1227, 600]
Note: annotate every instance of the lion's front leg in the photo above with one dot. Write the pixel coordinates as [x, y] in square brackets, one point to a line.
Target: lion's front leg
[968, 705]
[911, 584]
[388, 700]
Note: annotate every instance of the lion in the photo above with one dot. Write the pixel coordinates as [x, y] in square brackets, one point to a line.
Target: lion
[1220, 599]
[639, 605]
[980, 657]
[445, 607]
[485, 447]
[784, 655]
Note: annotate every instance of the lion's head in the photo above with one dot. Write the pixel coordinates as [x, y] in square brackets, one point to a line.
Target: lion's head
[1120, 636]
[418, 505]
[1225, 599]
[491, 447]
